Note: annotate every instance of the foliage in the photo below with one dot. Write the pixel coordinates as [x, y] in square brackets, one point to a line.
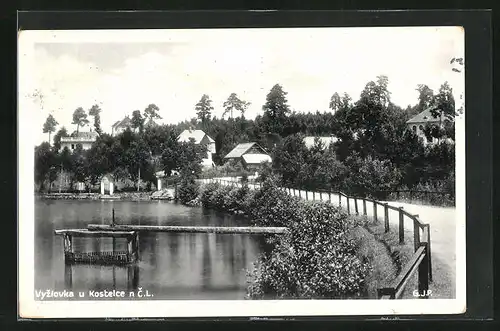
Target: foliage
[187, 190]
[57, 137]
[79, 118]
[95, 111]
[204, 108]
[151, 112]
[137, 121]
[235, 103]
[316, 259]
[50, 125]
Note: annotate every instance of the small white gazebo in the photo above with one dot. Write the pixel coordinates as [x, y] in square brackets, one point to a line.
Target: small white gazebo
[107, 184]
[159, 176]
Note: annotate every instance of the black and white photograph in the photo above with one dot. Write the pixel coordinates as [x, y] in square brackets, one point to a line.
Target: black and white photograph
[241, 172]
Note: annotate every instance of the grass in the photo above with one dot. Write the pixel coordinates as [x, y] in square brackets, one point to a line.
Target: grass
[373, 232]
[388, 255]
[374, 252]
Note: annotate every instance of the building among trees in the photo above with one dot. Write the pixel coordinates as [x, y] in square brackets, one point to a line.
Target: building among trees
[250, 155]
[85, 139]
[120, 126]
[426, 119]
[200, 138]
[309, 141]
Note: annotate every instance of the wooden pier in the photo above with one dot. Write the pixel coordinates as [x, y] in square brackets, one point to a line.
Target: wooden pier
[187, 229]
[131, 234]
[131, 255]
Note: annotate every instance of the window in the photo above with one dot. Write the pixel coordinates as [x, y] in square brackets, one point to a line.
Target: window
[72, 146]
[414, 128]
[421, 128]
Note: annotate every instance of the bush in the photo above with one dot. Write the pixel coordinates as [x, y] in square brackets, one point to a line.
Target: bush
[315, 259]
[187, 190]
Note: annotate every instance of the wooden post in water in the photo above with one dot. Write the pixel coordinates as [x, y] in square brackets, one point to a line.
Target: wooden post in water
[386, 217]
[68, 276]
[401, 226]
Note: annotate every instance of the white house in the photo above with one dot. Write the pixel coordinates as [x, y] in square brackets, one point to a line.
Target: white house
[85, 139]
[418, 122]
[309, 141]
[200, 138]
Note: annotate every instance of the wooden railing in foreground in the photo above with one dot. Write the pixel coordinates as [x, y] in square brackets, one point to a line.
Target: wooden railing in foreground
[421, 258]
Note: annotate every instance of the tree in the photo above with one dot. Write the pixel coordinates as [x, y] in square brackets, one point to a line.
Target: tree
[425, 97]
[50, 125]
[151, 112]
[444, 103]
[335, 102]
[79, 118]
[137, 120]
[276, 106]
[57, 137]
[233, 102]
[204, 108]
[45, 162]
[95, 111]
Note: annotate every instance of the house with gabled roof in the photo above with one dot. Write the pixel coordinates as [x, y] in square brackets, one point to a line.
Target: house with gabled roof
[418, 122]
[200, 138]
[122, 125]
[251, 155]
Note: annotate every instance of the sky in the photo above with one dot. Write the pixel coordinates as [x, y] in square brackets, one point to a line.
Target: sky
[127, 70]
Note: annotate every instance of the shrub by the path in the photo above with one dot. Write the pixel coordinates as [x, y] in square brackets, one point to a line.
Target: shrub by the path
[315, 259]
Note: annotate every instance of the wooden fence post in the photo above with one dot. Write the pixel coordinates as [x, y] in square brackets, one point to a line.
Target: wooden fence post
[364, 206]
[348, 206]
[386, 217]
[423, 274]
[330, 196]
[416, 233]
[356, 205]
[429, 250]
[401, 226]
[340, 199]
[314, 195]
[375, 211]
[307, 198]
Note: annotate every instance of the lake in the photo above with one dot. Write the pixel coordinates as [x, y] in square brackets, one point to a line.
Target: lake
[172, 266]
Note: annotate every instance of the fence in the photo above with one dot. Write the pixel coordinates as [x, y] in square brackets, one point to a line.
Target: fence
[421, 258]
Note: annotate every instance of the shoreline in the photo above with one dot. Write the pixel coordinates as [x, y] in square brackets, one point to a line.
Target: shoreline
[166, 195]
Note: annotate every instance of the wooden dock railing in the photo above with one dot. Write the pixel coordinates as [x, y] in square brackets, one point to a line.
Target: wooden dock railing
[421, 258]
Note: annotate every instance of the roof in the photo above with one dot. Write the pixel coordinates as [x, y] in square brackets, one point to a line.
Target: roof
[123, 123]
[241, 149]
[309, 141]
[256, 158]
[197, 135]
[424, 117]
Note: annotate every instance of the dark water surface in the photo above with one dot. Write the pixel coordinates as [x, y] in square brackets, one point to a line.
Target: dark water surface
[172, 265]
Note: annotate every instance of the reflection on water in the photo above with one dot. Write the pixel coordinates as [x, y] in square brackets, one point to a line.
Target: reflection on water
[171, 265]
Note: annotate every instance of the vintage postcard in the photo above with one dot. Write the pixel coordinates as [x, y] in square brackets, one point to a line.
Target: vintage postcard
[241, 172]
